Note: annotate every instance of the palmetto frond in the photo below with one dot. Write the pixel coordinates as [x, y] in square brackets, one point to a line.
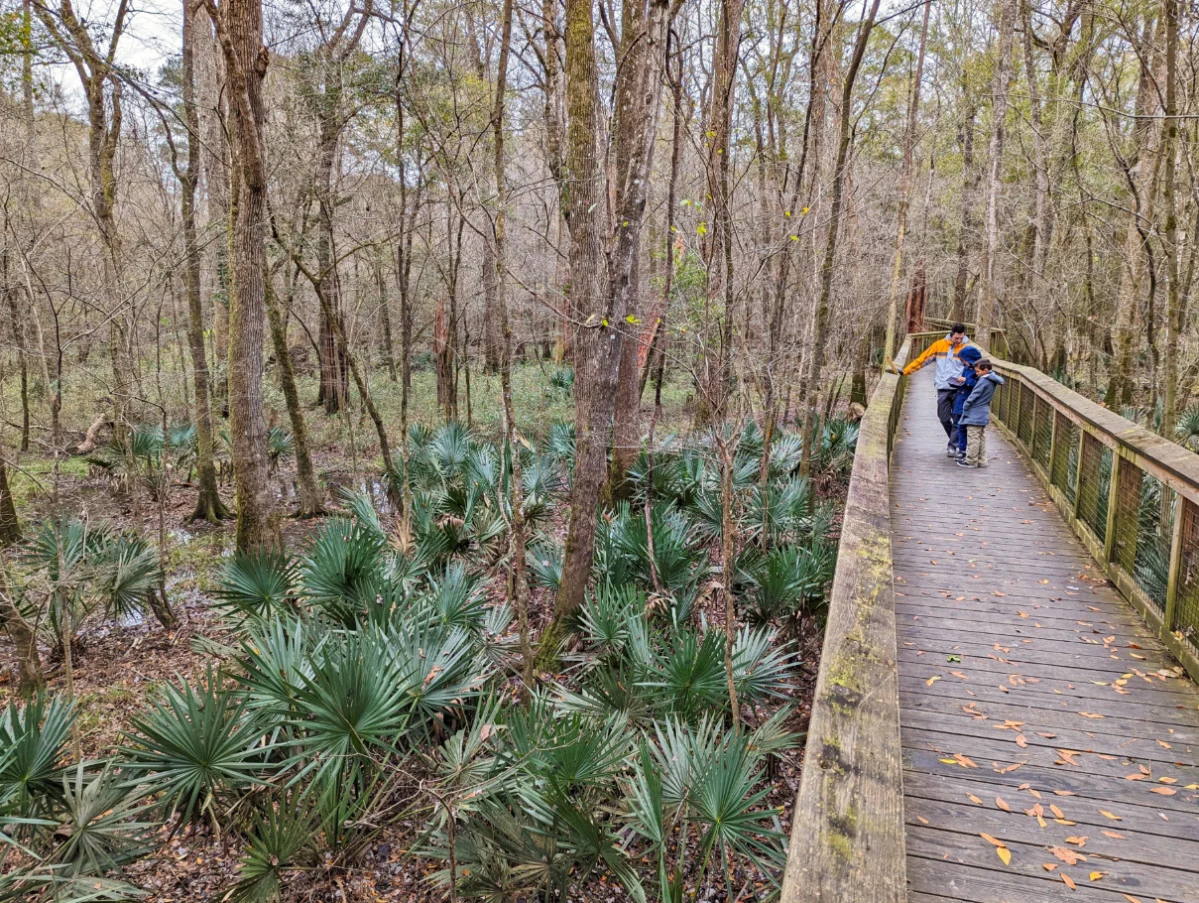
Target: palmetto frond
[99, 830]
[258, 584]
[194, 743]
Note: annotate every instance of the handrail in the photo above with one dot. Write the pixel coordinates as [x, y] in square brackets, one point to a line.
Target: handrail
[1131, 496]
[847, 837]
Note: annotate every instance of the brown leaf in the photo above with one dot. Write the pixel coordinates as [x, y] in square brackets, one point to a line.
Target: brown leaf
[974, 799]
[1069, 882]
[1130, 898]
[1164, 791]
[1107, 814]
[1077, 841]
[1114, 835]
[992, 840]
[1021, 742]
[1067, 856]
[999, 801]
[1057, 813]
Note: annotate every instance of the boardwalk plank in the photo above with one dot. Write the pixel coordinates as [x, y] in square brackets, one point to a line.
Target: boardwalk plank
[1016, 598]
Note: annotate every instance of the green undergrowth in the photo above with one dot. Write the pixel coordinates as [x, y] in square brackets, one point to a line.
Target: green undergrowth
[371, 683]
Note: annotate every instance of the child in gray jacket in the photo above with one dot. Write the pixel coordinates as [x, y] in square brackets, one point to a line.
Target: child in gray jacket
[976, 414]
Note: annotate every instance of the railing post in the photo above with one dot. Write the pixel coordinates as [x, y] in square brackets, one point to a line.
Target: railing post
[1113, 501]
[1180, 506]
[1053, 418]
[1082, 447]
[1014, 419]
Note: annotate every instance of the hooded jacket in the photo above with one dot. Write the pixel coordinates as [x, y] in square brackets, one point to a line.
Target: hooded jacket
[977, 409]
[969, 356]
[949, 365]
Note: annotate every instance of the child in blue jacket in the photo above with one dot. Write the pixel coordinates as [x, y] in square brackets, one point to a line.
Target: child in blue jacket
[976, 414]
[969, 356]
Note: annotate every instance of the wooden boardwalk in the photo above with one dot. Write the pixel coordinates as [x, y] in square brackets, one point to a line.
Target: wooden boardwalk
[1041, 722]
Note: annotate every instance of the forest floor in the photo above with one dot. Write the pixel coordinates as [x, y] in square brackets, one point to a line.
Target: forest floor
[118, 665]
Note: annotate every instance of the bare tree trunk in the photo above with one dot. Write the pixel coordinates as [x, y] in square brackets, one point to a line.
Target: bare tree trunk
[239, 27]
[209, 506]
[602, 303]
[968, 228]
[1138, 174]
[905, 188]
[718, 248]
[999, 92]
[29, 664]
[1169, 153]
[820, 321]
[518, 591]
[310, 494]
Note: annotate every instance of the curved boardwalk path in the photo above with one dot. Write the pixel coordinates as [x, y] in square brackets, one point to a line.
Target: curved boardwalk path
[1035, 707]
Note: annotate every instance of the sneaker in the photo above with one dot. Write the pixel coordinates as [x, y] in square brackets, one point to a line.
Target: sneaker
[951, 451]
[962, 463]
[961, 457]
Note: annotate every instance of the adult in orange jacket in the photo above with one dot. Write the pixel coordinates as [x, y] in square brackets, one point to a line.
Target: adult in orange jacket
[947, 379]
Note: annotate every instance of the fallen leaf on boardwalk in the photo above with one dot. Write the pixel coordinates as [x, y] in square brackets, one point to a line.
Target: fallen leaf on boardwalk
[1036, 793]
[964, 761]
[1135, 776]
[1069, 882]
[1145, 771]
[1057, 813]
[1097, 876]
[1107, 814]
[1065, 792]
[932, 680]
[1167, 780]
[1130, 898]
[1049, 866]
[922, 819]
[1067, 856]
[1077, 841]
[998, 593]
[1164, 745]
[974, 799]
[1089, 715]
[992, 840]
[949, 761]
[959, 674]
[1114, 835]
[1044, 581]
[1005, 855]
[999, 801]
[1164, 791]
[1021, 742]
[930, 561]
[1139, 657]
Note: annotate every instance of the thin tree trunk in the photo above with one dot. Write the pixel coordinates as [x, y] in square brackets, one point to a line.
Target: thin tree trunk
[999, 91]
[310, 494]
[820, 327]
[209, 506]
[518, 594]
[905, 188]
[1169, 152]
[29, 663]
[239, 27]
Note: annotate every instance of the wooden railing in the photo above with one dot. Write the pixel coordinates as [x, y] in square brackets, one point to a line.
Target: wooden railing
[1131, 496]
[1133, 499]
[847, 838]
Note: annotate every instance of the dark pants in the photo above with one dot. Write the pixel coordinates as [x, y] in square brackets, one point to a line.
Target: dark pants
[945, 399]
